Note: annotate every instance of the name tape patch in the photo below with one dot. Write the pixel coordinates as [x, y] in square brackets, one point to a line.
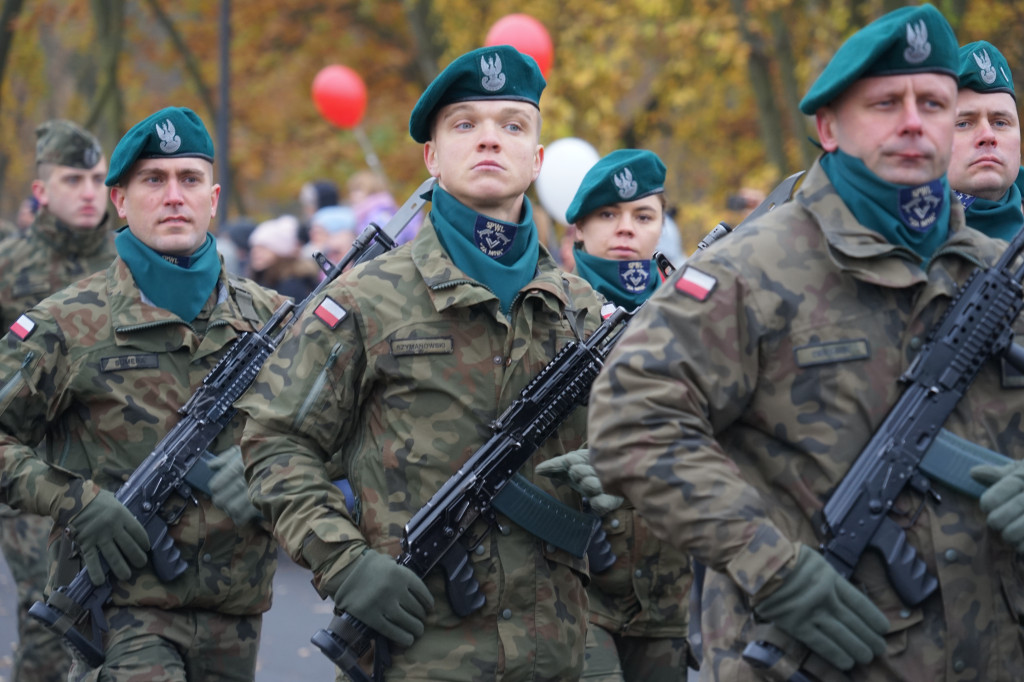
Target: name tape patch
[438, 346]
[832, 352]
[121, 363]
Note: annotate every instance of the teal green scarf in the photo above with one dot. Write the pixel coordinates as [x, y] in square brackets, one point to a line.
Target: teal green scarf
[914, 217]
[181, 284]
[1000, 219]
[627, 283]
[501, 256]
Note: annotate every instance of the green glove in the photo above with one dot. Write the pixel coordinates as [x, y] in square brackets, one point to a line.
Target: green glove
[1003, 502]
[105, 528]
[575, 470]
[384, 595]
[823, 610]
[228, 489]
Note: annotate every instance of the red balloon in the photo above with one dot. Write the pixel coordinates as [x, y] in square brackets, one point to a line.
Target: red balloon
[527, 35]
[340, 95]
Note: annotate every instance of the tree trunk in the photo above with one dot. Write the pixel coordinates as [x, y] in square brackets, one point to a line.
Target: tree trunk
[196, 76]
[758, 68]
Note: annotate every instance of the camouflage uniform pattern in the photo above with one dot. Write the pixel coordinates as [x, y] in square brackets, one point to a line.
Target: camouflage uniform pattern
[101, 378]
[729, 422]
[642, 600]
[49, 257]
[395, 399]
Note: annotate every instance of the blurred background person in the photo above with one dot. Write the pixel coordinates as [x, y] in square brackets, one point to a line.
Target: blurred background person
[332, 230]
[373, 203]
[313, 196]
[276, 261]
[69, 238]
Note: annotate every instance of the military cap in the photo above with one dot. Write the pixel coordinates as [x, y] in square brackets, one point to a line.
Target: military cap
[983, 69]
[65, 144]
[623, 175]
[497, 72]
[908, 40]
[169, 133]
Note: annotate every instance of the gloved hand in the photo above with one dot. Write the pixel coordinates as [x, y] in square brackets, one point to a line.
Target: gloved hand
[1003, 502]
[228, 488]
[574, 468]
[384, 595]
[105, 528]
[823, 610]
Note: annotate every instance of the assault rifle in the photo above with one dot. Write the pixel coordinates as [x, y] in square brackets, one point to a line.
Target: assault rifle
[978, 325]
[203, 417]
[435, 534]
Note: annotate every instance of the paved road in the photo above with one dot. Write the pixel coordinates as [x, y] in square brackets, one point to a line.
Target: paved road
[286, 654]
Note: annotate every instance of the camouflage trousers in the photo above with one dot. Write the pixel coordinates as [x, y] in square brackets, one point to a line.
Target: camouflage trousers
[39, 655]
[616, 658]
[152, 645]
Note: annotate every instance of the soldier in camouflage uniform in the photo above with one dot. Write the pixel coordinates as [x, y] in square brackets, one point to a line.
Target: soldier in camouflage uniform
[750, 382]
[639, 607]
[69, 239]
[392, 383]
[986, 143]
[99, 370]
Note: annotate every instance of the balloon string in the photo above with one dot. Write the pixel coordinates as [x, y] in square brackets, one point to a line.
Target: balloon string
[371, 156]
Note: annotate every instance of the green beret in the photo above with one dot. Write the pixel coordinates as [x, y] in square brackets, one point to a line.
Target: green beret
[623, 175]
[498, 72]
[984, 69]
[169, 133]
[908, 40]
[65, 144]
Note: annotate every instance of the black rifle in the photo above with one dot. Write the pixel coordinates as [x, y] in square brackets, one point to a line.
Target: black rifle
[203, 417]
[978, 325]
[434, 535]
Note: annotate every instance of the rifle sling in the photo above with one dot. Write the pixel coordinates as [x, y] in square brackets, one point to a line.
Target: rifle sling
[950, 459]
[544, 516]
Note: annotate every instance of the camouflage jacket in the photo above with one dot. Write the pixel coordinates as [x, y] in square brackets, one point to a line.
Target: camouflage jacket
[728, 422]
[646, 591]
[396, 397]
[48, 258]
[100, 378]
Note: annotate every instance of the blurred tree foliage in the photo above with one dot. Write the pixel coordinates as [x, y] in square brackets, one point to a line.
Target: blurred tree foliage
[711, 86]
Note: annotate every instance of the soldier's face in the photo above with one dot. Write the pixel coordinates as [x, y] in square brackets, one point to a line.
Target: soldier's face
[986, 144]
[168, 203]
[901, 127]
[625, 231]
[486, 154]
[75, 196]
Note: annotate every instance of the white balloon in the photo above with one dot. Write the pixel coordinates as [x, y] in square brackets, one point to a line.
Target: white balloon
[566, 161]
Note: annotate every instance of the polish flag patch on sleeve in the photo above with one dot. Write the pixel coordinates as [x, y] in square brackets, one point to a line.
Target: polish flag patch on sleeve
[695, 283]
[330, 313]
[23, 327]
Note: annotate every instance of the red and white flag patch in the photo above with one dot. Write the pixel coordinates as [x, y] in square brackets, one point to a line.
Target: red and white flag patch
[330, 312]
[23, 327]
[697, 284]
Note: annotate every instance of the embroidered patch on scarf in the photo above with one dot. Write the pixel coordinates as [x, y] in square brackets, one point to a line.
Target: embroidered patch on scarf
[492, 237]
[919, 206]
